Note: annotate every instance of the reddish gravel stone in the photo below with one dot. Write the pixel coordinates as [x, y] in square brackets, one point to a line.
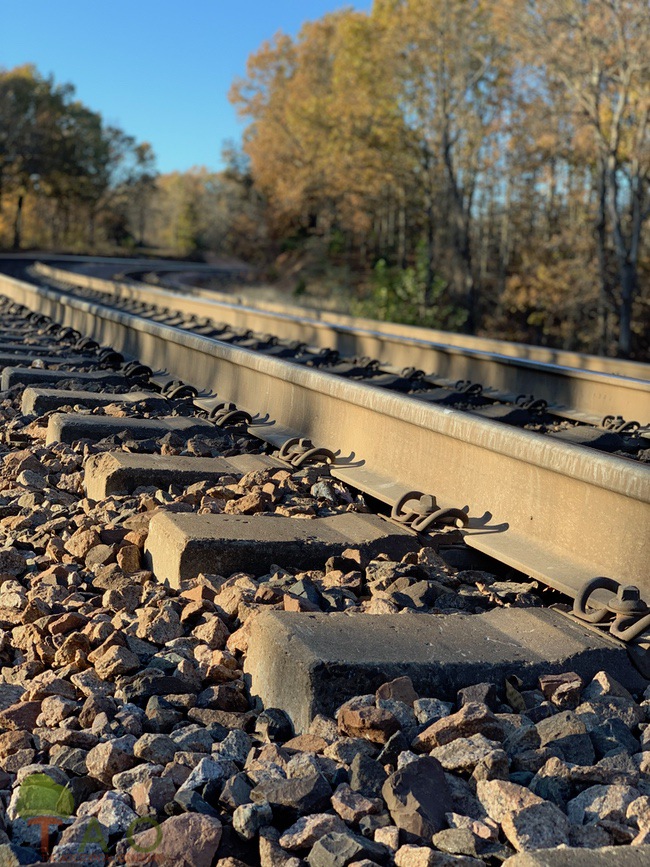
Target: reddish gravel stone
[21, 716]
[81, 542]
[128, 558]
[190, 840]
[471, 719]
[367, 721]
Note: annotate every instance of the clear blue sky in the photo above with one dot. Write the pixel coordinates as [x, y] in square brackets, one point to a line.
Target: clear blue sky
[160, 69]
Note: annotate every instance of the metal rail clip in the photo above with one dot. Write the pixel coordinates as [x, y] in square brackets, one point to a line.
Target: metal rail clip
[178, 390]
[531, 403]
[86, 344]
[108, 356]
[466, 386]
[299, 451]
[226, 413]
[423, 512]
[625, 615]
[135, 370]
[617, 424]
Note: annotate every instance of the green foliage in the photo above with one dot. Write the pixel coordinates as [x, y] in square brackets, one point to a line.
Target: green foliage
[338, 243]
[400, 295]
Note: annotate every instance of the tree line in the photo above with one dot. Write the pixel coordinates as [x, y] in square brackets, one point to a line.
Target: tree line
[494, 153]
[66, 177]
[472, 164]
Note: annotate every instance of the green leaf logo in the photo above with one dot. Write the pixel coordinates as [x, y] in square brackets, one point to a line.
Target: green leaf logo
[39, 795]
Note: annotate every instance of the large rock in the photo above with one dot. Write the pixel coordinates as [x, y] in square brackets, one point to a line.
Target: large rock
[601, 802]
[309, 794]
[472, 719]
[501, 798]
[425, 856]
[206, 771]
[11, 562]
[21, 716]
[567, 732]
[110, 758]
[539, 826]
[335, 850]
[418, 797]
[367, 721]
[308, 829]
[190, 840]
[464, 754]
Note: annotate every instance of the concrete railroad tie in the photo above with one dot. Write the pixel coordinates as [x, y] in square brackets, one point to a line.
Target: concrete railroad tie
[180, 546]
[308, 664]
[606, 856]
[34, 376]
[37, 401]
[121, 473]
[68, 427]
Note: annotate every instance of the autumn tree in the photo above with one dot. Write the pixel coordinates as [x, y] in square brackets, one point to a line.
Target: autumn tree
[598, 52]
[60, 158]
[31, 111]
[450, 79]
[326, 137]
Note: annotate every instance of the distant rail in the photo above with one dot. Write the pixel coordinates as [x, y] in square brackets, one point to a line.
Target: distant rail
[583, 387]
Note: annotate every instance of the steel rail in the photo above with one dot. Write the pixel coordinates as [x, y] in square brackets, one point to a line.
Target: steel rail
[513, 349]
[546, 355]
[556, 511]
[585, 395]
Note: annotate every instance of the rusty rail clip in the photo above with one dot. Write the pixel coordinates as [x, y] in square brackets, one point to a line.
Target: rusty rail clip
[225, 413]
[626, 615]
[466, 386]
[617, 424]
[179, 390]
[298, 451]
[531, 403]
[423, 512]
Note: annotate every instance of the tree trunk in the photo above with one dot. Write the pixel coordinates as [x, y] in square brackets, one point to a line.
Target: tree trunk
[461, 206]
[430, 226]
[601, 238]
[18, 221]
[627, 254]
[91, 228]
[628, 273]
[401, 234]
[141, 225]
[504, 243]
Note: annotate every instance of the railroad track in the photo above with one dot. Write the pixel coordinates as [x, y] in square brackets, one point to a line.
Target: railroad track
[527, 500]
[583, 388]
[562, 513]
